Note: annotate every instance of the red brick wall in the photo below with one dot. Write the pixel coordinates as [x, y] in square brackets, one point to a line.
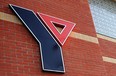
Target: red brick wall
[19, 51]
[108, 49]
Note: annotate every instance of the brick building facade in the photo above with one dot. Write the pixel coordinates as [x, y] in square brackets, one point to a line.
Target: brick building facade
[85, 52]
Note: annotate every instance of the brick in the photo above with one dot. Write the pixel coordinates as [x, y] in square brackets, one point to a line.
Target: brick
[20, 52]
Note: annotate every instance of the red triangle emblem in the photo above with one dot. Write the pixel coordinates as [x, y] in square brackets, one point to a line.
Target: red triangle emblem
[50, 22]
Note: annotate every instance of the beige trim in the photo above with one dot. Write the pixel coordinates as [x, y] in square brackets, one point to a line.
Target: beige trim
[14, 19]
[10, 18]
[108, 59]
[106, 38]
[84, 37]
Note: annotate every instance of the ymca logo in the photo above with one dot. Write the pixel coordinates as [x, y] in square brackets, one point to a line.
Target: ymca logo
[50, 39]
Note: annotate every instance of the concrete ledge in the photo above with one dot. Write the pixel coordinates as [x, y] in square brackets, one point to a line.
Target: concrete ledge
[108, 59]
[106, 38]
